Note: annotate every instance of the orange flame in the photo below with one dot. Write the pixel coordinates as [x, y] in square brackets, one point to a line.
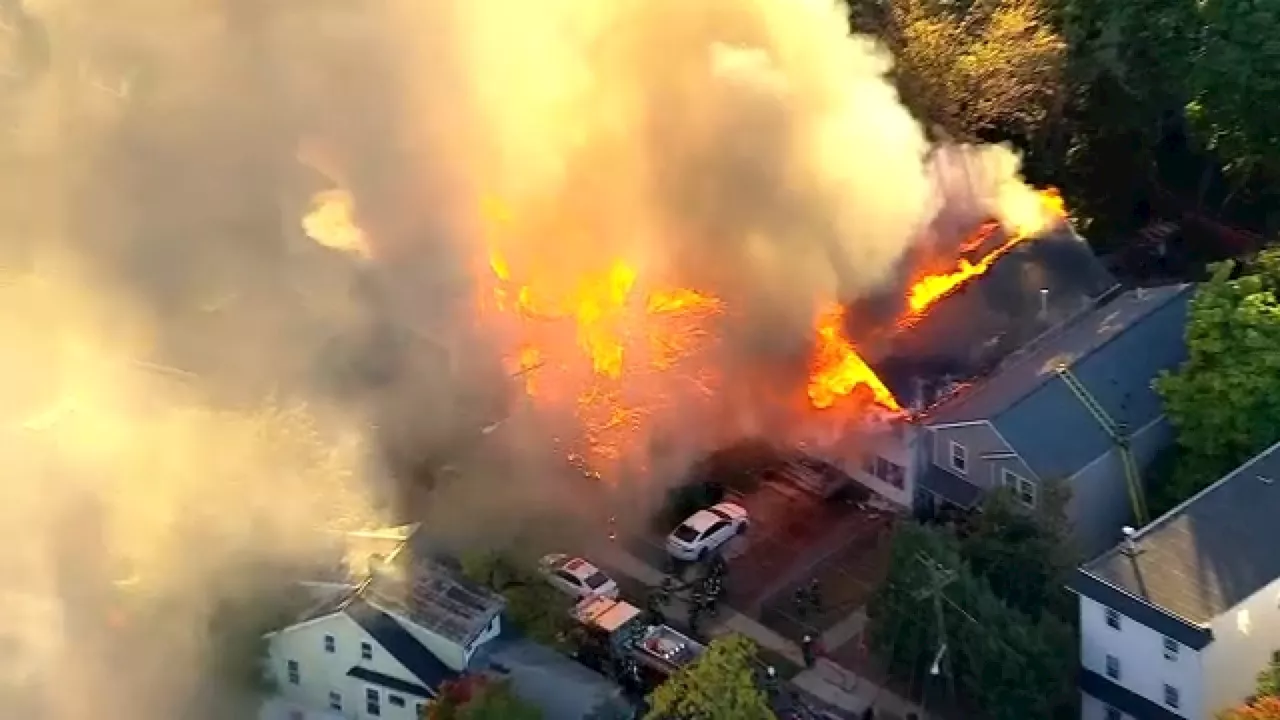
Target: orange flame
[1026, 215]
[838, 371]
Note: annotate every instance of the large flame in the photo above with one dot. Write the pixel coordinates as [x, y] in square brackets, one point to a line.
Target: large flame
[838, 371]
[332, 223]
[1024, 215]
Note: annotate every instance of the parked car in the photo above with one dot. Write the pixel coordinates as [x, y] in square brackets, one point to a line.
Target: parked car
[577, 577]
[706, 531]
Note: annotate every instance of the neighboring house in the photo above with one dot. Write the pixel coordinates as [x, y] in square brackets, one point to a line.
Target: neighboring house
[384, 649]
[381, 641]
[1179, 619]
[1022, 426]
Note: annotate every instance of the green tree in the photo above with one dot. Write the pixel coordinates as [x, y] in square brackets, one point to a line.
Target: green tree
[537, 609]
[1224, 402]
[721, 685]
[1026, 556]
[1008, 663]
[1235, 75]
[976, 68]
[1269, 678]
[496, 700]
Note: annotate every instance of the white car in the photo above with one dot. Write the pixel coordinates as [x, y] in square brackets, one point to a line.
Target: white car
[706, 531]
[577, 577]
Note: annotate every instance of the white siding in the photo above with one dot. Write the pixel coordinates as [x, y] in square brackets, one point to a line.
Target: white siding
[898, 447]
[322, 672]
[1144, 669]
[1243, 640]
[1091, 708]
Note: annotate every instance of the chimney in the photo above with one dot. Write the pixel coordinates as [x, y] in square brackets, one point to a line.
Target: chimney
[1130, 547]
[1044, 303]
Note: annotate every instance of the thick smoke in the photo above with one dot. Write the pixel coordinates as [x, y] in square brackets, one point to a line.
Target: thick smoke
[158, 157]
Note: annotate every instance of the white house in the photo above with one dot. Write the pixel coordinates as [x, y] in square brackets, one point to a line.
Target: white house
[383, 649]
[1177, 621]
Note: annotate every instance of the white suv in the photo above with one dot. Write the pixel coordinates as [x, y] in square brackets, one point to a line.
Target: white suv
[706, 531]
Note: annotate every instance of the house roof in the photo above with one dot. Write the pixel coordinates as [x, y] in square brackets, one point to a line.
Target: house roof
[1211, 553]
[561, 687]
[431, 595]
[390, 683]
[396, 640]
[1115, 349]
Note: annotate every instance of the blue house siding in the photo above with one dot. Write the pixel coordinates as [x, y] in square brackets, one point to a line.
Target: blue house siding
[1052, 430]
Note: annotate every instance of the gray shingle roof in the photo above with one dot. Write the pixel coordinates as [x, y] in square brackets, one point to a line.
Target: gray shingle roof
[1214, 551]
[1115, 350]
[434, 597]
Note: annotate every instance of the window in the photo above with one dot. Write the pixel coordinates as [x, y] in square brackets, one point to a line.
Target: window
[295, 673]
[1023, 489]
[330, 644]
[1170, 649]
[420, 710]
[887, 472]
[366, 651]
[1113, 619]
[1113, 667]
[372, 702]
[959, 458]
[1114, 713]
[335, 700]
[395, 700]
[1171, 696]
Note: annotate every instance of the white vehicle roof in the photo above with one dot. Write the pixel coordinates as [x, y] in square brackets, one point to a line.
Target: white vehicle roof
[578, 568]
[704, 519]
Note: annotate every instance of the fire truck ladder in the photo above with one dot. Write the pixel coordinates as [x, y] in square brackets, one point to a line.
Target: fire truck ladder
[1118, 434]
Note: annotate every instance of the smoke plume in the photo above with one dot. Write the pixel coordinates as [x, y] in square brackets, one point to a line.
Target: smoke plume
[192, 385]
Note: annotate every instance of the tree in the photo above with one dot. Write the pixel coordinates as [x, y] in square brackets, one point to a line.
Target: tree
[1008, 663]
[533, 606]
[480, 699]
[1025, 556]
[1269, 678]
[1264, 708]
[720, 685]
[1224, 402]
[992, 66]
[1234, 78]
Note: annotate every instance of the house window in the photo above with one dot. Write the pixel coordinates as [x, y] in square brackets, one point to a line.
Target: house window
[1023, 489]
[1113, 667]
[372, 702]
[1170, 649]
[330, 644]
[959, 458]
[1113, 619]
[335, 701]
[295, 673]
[888, 472]
[395, 700]
[366, 651]
[1114, 713]
[1171, 696]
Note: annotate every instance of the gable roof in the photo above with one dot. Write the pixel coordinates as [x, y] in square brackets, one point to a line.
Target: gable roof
[1209, 554]
[434, 597]
[1115, 349]
[400, 644]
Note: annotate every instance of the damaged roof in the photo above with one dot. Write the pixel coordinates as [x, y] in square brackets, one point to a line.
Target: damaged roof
[1206, 556]
[1116, 349]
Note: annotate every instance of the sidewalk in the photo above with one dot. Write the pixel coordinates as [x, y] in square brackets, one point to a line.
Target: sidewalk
[827, 681]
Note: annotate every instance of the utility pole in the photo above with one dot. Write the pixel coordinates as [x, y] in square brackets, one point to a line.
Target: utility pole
[939, 578]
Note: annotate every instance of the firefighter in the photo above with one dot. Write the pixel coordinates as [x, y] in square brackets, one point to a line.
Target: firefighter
[808, 651]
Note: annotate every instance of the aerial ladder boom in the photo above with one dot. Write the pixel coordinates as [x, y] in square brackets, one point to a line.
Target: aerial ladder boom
[1118, 434]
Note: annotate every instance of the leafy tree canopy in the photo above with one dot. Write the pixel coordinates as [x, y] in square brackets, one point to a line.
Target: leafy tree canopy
[1007, 662]
[1026, 557]
[1224, 401]
[1234, 77]
[483, 699]
[537, 609]
[721, 685]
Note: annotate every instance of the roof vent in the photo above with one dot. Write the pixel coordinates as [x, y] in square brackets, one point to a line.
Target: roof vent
[1129, 547]
[1266, 480]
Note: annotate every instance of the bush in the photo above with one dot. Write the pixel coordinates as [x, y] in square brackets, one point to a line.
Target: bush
[685, 500]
